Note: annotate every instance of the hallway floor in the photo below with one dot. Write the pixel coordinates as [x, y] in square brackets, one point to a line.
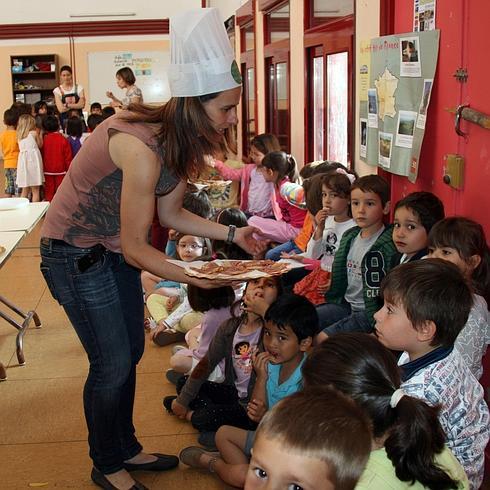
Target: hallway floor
[43, 438]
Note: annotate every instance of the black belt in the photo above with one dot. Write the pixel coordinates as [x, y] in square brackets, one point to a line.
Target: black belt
[84, 262]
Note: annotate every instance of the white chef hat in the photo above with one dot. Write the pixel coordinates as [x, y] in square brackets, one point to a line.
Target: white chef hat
[202, 60]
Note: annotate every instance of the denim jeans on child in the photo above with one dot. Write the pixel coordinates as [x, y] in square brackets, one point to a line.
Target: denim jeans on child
[336, 318]
[103, 300]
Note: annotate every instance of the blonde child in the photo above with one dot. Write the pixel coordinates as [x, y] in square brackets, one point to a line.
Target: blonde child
[30, 175]
[280, 169]
[462, 242]
[166, 327]
[257, 196]
[10, 150]
[331, 222]
[209, 405]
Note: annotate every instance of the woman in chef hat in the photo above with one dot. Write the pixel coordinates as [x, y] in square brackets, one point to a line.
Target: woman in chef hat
[94, 239]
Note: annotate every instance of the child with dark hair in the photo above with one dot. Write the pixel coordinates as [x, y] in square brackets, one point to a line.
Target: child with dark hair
[215, 304]
[332, 220]
[74, 131]
[108, 111]
[291, 323]
[257, 196]
[462, 242]
[57, 156]
[362, 259]
[426, 304]
[414, 217]
[222, 249]
[95, 109]
[408, 449]
[280, 168]
[10, 151]
[317, 439]
[209, 405]
[93, 121]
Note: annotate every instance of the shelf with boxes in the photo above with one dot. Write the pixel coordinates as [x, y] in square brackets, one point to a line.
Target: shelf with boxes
[34, 77]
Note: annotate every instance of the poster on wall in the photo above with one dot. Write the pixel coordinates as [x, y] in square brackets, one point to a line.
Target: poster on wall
[424, 15]
[400, 79]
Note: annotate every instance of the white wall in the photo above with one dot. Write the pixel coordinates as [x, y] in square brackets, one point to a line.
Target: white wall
[34, 11]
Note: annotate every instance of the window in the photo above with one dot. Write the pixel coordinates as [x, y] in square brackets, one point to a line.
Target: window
[325, 11]
[277, 24]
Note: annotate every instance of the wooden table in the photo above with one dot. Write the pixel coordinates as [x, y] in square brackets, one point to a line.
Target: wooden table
[15, 224]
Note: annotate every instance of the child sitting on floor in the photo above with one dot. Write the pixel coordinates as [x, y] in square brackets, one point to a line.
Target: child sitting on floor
[208, 405]
[291, 323]
[331, 222]
[415, 215]
[280, 169]
[168, 294]
[408, 441]
[361, 261]
[462, 242]
[426, 304]
[317, 439]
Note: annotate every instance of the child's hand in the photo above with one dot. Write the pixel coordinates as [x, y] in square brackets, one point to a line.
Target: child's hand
[109, 94]
[321, 217]
[260, 362]
[256, 410]
[171, 302]
[255, 304]
[178, 409]
[172, 234]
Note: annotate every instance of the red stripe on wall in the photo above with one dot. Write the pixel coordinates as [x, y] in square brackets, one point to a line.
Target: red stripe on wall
[84, 29]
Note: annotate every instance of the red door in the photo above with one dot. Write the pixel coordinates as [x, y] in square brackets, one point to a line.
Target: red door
[464, 44]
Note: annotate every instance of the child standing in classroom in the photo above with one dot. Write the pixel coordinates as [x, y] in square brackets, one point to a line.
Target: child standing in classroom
[10, 150]
[74, 132]
[361, 261]
[257, 197]
[426, 304]
[279, 168]
[56, 154]
[30, 175]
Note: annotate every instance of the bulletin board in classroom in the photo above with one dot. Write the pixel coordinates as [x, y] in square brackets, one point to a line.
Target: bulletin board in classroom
[149, 67]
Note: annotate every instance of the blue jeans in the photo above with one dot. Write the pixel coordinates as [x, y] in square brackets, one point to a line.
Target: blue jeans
[105, 306]
[289, 246]
[336, 318]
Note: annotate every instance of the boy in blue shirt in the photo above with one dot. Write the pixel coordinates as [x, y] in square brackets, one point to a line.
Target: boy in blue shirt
[291, 323]
[364, 256]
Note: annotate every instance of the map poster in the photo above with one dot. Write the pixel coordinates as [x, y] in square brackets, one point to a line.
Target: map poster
[401, 78]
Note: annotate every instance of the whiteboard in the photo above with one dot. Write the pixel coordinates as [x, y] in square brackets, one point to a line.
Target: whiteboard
[149, 67]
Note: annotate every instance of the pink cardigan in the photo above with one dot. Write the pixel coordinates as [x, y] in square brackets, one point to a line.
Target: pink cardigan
[243, 175]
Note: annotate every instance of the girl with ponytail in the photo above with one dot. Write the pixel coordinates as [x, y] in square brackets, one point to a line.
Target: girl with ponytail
[408, 440]
[280, 168]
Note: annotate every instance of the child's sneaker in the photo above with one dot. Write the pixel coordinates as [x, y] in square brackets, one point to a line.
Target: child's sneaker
[176, 348]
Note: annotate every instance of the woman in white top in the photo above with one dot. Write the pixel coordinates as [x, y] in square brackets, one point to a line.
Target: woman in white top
[68, 95]
[125, 79]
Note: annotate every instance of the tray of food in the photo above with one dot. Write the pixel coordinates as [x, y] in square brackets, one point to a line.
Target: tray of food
[236, 269]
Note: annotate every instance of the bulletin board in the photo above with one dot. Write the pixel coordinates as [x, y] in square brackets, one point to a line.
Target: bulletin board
[149, 67]
[396, 79]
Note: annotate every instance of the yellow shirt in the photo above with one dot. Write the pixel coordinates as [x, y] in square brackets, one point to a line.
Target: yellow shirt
[9, 147]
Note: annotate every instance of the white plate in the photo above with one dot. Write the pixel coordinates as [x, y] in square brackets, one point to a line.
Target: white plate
[7, 203]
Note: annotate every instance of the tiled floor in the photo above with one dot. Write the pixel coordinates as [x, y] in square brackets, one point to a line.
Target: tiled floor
[42, 428]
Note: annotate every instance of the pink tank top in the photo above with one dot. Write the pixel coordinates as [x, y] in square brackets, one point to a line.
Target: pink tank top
[85, 210]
